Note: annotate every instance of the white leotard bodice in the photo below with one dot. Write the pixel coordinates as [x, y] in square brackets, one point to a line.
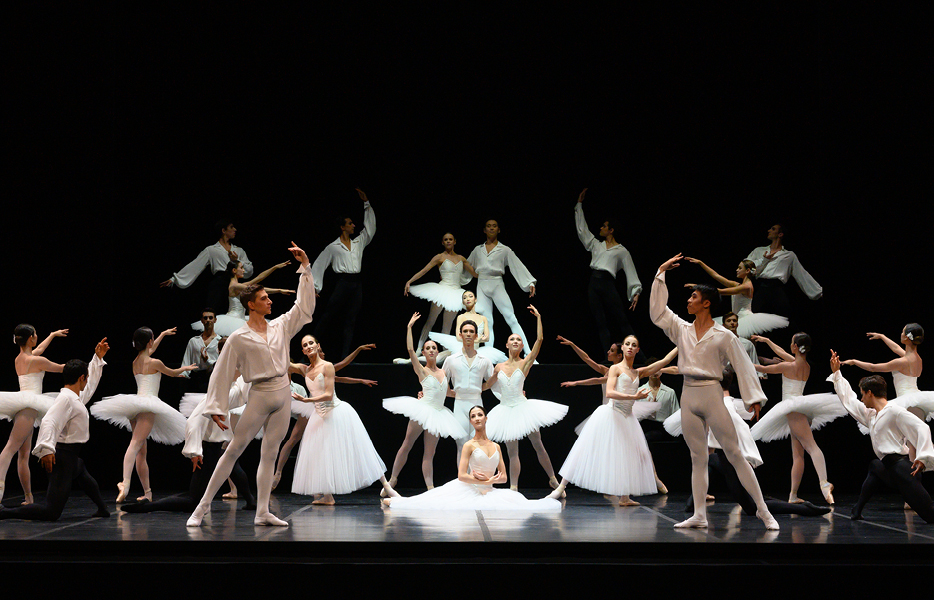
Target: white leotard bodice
[904, 384]
[433, 391]
[235, 308]
[451, 273]
[316, 388]
[509, 389]
[792, 388]
[481, 463]
[148, 385]
[31, 382]
[625, 385]
[741, 304]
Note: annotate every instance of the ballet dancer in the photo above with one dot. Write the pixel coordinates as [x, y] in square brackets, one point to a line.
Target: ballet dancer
[668, 404]
[479, 468]
[703, 347]
[202, 351]
[26, 407]
[607, 258]
[741, 293]
[797, 415]
[774, 267]
[889, 427]
[345, 257]
[62, 433]
[517, 417]
[260, 351]
[336, 455]
[426, 414]
[466, 371]
[731, 322]
[453, 343]
[446, 296]
[611, 455]
[143, 413]
[490, 260]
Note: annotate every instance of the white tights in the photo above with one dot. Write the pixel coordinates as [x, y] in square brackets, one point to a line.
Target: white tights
[20, 444]
[490, 292]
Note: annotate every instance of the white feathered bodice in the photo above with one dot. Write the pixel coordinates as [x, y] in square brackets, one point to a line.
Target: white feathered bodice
[741, 304]
[451, 273]
[509, 389]
[433, 391]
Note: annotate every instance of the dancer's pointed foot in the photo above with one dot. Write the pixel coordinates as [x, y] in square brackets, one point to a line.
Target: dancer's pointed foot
[276, 478]
[826, 489]
[269, 519]
[766, 517]
[627, 501]
[558, 493]
[28, 499]
[324, 499]
[709, 498]
[147, 495]
[793, 498]
[694, 522]
[383, 493]
[553, 482]
[195, 519]
[123, 488]
[662, 488]
[385, 501]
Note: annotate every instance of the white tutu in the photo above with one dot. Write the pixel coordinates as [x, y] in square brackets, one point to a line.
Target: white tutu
[516, 416]
[458, 495]
[429, 411]
[921, 400]
[168, 426]
[226, 324]
[448, 298]
[750, 323]
[13, 402]
[188, 403]
[450, 342]
[819, 409]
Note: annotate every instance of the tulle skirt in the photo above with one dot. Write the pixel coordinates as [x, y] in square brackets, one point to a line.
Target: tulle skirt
[922, 400]
[611, 456]
[751, 323]
[447, 297]
[13, 402]
[457, 495]
[168, 427]
[336, 455]
[514, 422]
[223, 326]
[439, 421]
[819, 409]
[640, 410]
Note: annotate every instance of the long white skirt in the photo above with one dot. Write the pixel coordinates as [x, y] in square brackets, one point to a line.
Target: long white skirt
[457, 495]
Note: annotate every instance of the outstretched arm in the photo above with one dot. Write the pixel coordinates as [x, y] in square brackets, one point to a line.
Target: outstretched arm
[353, 355]
[775, 348]
[434, 261]
[893, 365]
[158, 365]
[584, 356]
[872, 335]
[420, 371]
[656, 366]
[267, 273]
[720, 278]
[38, 350]
[158, 340]
[591, 381]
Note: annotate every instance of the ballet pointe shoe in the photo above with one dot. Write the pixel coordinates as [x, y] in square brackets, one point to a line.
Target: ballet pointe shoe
[662, 488]
[195, 519]
[514, 488]
[389, 491]
[625, 500]
[230, 496]
[558, 493]
[123, 488]
[146, 497]
[553, 482]
[826, 489]
[768, 520]
[695, 522]
[383, 493]
[269, 520]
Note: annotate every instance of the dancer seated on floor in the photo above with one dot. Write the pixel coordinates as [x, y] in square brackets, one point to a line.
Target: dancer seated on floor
[481, 466]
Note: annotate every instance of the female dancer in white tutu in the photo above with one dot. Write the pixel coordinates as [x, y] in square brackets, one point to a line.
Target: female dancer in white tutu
[750, 323]
[143, 413]
[481, 465]
[336, 455]
[453, 343]
[516, 417]
[611, 455]
[427, 414]
[236, 314]
[27, 406]
[796, 414]
[445, 296]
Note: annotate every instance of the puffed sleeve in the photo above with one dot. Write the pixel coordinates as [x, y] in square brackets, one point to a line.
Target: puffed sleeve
[808, 284]
[301, 312]
[757, 256]
[190, 272]
[51, 427]
[847, 396]
[522, 275]
[195, 429]
[633, 285]
[746, 375]
[369, 225]
[474, 257]
[95, 370]
[247, 265]
[217, 402]
[659, 312]
[918, 435]
[583, 232]
[321, 263]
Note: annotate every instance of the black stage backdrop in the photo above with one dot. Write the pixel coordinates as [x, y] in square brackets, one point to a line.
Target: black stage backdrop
[130, 134]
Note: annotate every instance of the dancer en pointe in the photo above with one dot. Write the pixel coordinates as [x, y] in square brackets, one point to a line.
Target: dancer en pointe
[703, 348]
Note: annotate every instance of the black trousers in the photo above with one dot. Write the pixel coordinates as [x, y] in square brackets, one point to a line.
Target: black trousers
[771, 297]
[344, 304]
[894, 471]
[604, 299]
[68, 470]
[212, 452]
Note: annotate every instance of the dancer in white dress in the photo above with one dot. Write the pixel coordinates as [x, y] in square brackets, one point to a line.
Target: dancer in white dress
[235, 318]
[517, 417]
[454, 343]
[611, 455]
[427, 414]
[446, 296]
[143, 413]
[481, 466]
[741, 291]
[26, 407]
[797, 415]
[336, 455]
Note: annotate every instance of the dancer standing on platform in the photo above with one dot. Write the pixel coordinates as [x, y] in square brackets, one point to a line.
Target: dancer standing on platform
[62, 433]
[797, 415]
[466, 372]
[774, 266]
[607, 258]
[889, 427]
[27, 406]
[143, 413]
[703, 347]
[427, 414]
[446, 296]
[611, 455]
[517, 417]
[345, 257]
[490, 260]
[260, 351]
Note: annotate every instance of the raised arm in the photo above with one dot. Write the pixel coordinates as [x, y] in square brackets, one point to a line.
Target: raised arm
[420, 371]
[659, 312]
[720, 278]
[434, 261]
[266, 274]
[657, 366]
[158, 340]
[845, 393]
[38, 350]
[583, 232]
[584, 356]
[785, 356]
[369, 220]
[353, 355]
[537, 346]
[872, 335]
[301, 312]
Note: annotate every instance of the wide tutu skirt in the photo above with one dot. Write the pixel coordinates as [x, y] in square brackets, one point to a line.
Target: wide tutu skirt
[439, 421]
[611, 456]
[336, 455]
[457, 495]
[819, 409]
[188, 402]
[451, 343]
[168, 427]
[13, 402]
[449, 298]
[640, 410]
[922, 400]
[507, 423]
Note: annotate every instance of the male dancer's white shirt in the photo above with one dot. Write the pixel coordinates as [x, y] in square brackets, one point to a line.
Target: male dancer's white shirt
[783, 266]
[492, 265]
[67, 421]
[467, 380]
[340, 259]
[214, 256]
[612, 259]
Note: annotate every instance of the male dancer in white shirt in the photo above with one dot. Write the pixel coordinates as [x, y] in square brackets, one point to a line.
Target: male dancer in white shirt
[703, 348]
[202, 350]
[490, 260]
[64, 429]
[345, 257]
[466, 371]
[260, 351]
[889, 426]
[607, 258]
[774, 266]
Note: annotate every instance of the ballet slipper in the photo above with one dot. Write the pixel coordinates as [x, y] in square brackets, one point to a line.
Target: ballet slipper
[124, 489]
[28, 499]
[662, 489]
[147, 495]
[553, 482]
[431, 487]
[627, 501]
[793, 498]
[230, 496]
[324, 499]
[907, 506]
[709, 498]
[385, 502]
[558, 493]
[276, 478]
[514, 488]
[195, 519]
[826, 488]
[770, 523]
[694, 522]
[269, 519]
[392, 483]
